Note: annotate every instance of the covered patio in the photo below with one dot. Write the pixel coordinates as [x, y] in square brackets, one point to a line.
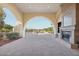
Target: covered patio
[63, 41]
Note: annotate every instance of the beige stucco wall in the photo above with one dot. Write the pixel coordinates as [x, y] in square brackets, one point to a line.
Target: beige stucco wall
[69, 9]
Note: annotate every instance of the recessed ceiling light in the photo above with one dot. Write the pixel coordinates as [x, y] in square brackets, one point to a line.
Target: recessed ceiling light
[48, 6]
[29, 6]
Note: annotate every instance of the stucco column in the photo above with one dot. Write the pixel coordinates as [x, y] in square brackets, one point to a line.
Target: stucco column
[76, 32]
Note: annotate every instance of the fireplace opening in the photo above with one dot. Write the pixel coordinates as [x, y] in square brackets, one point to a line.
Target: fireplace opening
[66, 36]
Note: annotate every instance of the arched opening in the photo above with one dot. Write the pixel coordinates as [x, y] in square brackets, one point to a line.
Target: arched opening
[39, 24]
[10, 19]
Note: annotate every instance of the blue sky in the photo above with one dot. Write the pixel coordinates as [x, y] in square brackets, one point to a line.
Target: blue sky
[38, 23]
[34, 23]
[10, 18]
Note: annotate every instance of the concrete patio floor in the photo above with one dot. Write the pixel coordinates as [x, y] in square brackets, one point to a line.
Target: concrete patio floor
[38, 45]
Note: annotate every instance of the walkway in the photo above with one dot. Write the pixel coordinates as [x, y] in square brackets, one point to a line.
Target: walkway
[37, 45]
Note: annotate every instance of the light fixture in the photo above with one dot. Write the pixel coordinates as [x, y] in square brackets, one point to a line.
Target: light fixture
[29, 6]
[48, 6]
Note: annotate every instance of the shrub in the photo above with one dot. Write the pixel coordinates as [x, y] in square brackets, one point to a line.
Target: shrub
[1, 36]
[12, 36]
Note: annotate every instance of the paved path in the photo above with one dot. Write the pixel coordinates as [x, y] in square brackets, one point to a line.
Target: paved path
[37, 45]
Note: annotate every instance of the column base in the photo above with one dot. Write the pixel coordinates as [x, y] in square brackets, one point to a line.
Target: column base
[74, 46]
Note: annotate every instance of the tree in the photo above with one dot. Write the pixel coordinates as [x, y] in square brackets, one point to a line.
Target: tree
[8, 28]
[2, 17]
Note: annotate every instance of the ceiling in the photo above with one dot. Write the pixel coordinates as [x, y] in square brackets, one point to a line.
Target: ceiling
[38, 7]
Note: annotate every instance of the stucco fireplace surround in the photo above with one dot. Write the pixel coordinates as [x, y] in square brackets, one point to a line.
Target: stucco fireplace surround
[67, 34]
[70, 24]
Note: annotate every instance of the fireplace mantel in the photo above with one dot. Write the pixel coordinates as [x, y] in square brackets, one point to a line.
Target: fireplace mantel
[68, 28]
